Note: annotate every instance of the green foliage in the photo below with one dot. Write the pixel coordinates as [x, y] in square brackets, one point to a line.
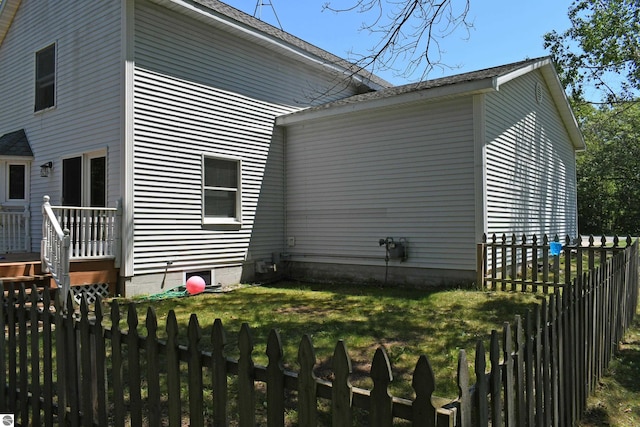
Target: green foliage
[609, 171]
[603, 42]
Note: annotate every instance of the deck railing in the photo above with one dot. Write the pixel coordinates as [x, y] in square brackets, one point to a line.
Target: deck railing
[78, 233]
[54, 249]
[15, 228]
[94, 232]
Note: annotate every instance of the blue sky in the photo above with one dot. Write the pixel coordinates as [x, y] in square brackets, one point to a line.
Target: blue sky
[504, 30]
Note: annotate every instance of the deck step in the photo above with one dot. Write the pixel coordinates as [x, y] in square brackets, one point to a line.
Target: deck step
[26, 279]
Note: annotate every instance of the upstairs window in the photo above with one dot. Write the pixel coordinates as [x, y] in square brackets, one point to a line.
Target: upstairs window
[17, 182]
[45, 77]
[221, 191]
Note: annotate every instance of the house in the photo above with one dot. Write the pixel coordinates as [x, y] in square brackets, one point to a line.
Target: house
[235, 150]
[432, 165]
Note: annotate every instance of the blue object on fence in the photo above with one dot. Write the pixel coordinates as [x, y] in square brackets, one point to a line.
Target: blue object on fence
[555, 248]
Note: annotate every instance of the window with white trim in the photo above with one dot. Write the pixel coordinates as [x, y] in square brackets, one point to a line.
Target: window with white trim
[45, 78]
[221, 191]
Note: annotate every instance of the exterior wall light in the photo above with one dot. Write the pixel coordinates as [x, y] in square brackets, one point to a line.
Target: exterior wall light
[45, 168]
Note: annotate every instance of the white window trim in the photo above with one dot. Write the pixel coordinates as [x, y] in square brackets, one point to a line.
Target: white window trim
[237, 221]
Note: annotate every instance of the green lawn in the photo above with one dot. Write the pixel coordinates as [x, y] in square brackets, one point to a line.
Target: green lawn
[408, 323]
[616, 402]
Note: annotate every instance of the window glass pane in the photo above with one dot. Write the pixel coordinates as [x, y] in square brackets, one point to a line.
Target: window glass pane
[45, 77]
[17, 182]
[98, 184]
[220, 204]
[220, 173]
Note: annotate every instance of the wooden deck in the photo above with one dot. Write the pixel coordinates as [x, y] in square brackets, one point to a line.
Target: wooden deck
[26, 267]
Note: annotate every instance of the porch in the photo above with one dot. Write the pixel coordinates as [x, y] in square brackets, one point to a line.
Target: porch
[79, 252]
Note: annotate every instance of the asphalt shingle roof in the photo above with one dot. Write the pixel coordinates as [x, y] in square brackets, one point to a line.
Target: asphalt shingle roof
[15, 144]
[487, 73]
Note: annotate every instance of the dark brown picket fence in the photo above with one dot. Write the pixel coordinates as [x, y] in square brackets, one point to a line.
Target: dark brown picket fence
[67, 368]
[518, 262]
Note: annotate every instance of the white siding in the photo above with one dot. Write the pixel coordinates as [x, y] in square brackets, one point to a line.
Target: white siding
[87, 114]
[406, 172]
[530, 171]
[201, 91]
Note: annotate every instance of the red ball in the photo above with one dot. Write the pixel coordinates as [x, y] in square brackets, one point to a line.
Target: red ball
[195, 285]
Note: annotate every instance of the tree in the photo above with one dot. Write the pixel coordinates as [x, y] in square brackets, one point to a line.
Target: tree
[408, 30]
[609, 171]
[601, 48]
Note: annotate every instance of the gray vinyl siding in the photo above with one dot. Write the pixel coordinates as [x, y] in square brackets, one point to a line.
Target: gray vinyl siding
[199, 91]
[87, 113]
[361, 177]
[530, 171]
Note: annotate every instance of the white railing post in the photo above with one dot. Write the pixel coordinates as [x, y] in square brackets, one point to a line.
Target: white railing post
[27, 228]
[118, 234]
[44, 243]
[55, 249]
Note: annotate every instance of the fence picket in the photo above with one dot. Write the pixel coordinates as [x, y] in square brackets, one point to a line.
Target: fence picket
[34, 336]
[133, 365]
[47, 357]
[424, 384]
[275, 380]
[495, 386]
[196, 400]
[219, 369]
[508, 376]
[553, 359]
[116, 365]
[480, 402]
[173, 371]
[380, 414]
[464, 397]
[529, 371]
[153, 368]
[99, 365]
[86, 379]
[342, 393]
[246, 389]
[23, 376]
[519, 372]
[539, 389]
[307, 384]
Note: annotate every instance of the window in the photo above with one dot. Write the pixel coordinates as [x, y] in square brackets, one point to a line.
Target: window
[45, 77]
[221, 191]
[17, 182]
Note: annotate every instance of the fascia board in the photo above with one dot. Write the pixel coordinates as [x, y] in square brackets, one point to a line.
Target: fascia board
[8, 10]
[564, 107]
[465, 88]
[557, 93]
